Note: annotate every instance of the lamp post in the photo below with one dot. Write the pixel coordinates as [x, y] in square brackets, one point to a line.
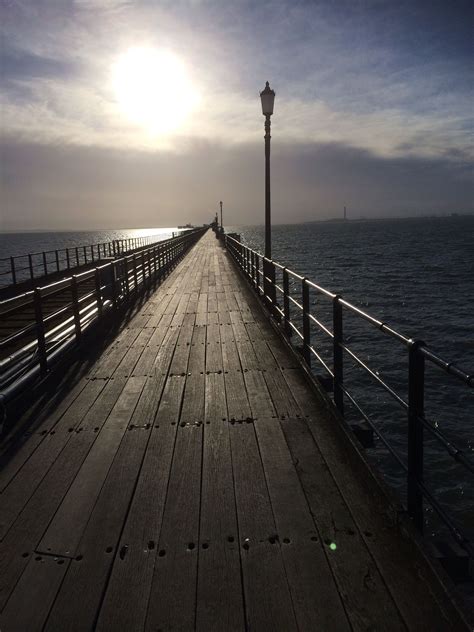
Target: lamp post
[222, 225]
[267, 97]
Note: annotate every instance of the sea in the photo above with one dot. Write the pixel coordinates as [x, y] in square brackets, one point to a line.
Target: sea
[417, 276]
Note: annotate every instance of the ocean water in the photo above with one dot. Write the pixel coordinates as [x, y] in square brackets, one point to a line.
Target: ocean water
[416, 275]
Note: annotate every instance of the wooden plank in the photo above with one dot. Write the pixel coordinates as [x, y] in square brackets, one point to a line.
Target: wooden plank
[98, 413]
[41, 415]
[172, 602]
[264, 354]
[67, 526]
[282, 397]
[248, 358]
[396, 557]
[179, 363]
[219, 592]
[237, 401]
[315, 595]
[192, 412]
[239, 328]
[20, 451]
[213, 349]
[165, 353]
[363, 590]
[18, 546]
[126, 597]
[20, 488]
[260, 401]
[101, 536]
[29, 604]
[126, 366]
[268, 601]
[283, 358]
[197, 355]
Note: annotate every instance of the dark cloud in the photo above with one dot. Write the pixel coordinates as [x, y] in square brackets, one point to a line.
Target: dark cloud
[60, 187]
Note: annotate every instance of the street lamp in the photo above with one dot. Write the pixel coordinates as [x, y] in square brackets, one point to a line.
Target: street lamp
[267, 97]
[222, 225]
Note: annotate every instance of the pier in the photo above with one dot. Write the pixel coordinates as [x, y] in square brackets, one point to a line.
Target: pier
[191, 476]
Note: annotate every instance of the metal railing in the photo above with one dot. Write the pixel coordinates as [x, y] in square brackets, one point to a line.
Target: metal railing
[272, 281]
[57, 315]
[34, 265]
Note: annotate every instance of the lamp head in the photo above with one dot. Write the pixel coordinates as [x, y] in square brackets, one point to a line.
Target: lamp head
[268, 98]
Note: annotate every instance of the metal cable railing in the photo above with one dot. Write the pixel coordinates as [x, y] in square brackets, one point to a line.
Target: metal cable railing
[262, 274]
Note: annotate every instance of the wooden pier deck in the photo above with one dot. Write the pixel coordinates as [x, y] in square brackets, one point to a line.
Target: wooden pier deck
[192, 479]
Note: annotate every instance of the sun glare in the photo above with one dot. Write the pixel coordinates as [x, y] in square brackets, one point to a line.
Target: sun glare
[153, 89]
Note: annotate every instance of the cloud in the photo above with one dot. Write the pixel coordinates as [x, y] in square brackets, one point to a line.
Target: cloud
[374, 74]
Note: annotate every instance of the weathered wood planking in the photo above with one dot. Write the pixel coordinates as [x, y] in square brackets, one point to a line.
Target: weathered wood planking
[219, 589]
[194, 481]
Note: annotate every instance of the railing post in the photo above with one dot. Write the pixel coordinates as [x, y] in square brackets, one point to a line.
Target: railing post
[84, 248]
[265, 279]
[40, 332]
[30, 264]
[143, 268]
[13, 271]
[127, 278]
[416, 388]
[57, 260]
[45, 263]
[338, 366]
[68, 262]
[257, 274]
[286, 301]
[98, 293]
[114, 285]
[306, 324]
[135, 273]
[75, 307]
[77, 256]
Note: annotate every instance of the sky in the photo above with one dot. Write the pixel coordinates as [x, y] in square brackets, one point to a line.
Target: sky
[146, 113]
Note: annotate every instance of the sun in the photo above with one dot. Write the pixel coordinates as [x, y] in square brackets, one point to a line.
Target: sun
[153, 89]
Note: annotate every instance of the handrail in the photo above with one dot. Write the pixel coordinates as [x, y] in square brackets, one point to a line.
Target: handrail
[262, 274]
[35, 265]
[89, 298]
